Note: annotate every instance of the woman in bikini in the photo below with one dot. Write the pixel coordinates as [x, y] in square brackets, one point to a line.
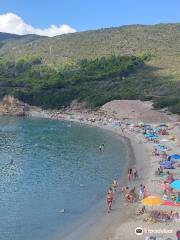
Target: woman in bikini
[109, 199]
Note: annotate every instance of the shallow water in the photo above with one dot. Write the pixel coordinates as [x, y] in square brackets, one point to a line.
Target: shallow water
[56, 165]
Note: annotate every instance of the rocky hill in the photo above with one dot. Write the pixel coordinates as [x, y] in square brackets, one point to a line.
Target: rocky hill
[158, 78]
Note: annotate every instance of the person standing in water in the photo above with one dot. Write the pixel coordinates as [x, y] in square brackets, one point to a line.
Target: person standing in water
[114, 185]
[109, 199]
[101, 148]
[130, 174]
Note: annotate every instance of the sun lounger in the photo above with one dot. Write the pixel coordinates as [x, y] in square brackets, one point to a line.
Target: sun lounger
[140, 211]
[149, 220]
[160, 216]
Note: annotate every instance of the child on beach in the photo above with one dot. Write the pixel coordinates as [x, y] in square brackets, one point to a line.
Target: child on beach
[114, 185]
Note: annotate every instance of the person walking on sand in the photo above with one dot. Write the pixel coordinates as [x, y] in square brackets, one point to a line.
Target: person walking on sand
[109, 199]
[141, 192]
[178, 235]
[130, 174]
[135, 174]
[146, 192]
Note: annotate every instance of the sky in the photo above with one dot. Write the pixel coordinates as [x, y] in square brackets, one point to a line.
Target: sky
[55, 17]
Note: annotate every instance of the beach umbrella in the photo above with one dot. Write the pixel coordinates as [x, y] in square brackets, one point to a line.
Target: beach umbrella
[175, 156]
[141, 124]
[150, 135]
[154, 137]
[148, 127]
[156, 130]
[175, 185]
[161, 147]
[164, 140]
[163, 125]
[152, 201]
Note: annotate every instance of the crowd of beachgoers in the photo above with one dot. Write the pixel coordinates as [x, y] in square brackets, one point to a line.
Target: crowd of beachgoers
[157, 198]
[167, 174]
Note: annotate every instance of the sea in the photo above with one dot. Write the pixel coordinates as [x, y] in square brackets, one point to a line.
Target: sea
[52, 173]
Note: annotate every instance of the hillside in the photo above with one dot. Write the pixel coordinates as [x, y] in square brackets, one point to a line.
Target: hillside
[6, 36]
[157, 78]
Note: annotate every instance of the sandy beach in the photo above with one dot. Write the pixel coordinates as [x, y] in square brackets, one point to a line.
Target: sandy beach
[122, 221]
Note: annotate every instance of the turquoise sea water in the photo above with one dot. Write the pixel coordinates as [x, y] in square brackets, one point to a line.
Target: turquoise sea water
[56, 165]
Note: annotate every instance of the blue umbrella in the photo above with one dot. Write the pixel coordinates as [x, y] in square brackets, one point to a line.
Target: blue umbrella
[175, 156]
[156, 130]
[150, 135]
[165, 162]
[175, 184]
[163, 125]
[148, 127]
[161, 147]
[154, 137]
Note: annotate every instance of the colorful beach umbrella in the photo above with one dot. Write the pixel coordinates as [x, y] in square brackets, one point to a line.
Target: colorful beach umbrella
[152, 201]
[175, 185]
[154, 137]
[161, 147]
[175, 156]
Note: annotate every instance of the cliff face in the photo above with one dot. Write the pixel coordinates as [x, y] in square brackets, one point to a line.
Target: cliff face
[13, 107]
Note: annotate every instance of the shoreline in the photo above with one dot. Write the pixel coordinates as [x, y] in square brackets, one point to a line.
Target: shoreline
[98, 221]
[104, 225]
[123, 221]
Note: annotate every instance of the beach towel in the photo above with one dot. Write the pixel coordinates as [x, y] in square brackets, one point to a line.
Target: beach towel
[170, 203]
[166, 162]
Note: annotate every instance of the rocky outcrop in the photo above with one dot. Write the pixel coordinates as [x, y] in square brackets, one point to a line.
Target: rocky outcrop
[11, 106]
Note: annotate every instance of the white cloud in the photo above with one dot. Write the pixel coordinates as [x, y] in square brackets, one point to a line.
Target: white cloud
[12, 23]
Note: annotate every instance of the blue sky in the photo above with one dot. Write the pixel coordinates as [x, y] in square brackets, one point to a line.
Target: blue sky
[83, 15]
